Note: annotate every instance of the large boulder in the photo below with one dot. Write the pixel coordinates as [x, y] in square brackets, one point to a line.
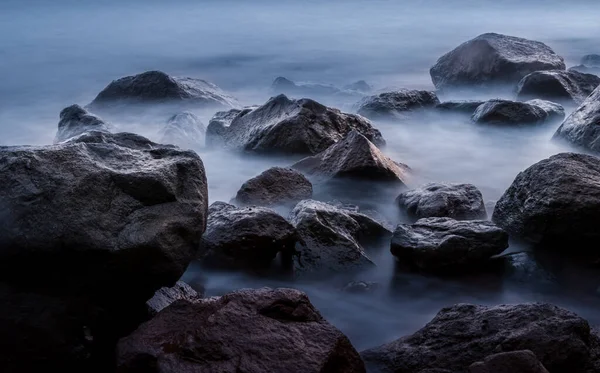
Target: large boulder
[247, 237]
[445, 245]
[456, 201]
[506, 112]
[581, 128]
[463, 334]
[331, 239]
[555, 203]
[459, 107]
[75, 120]
[251, 331]
[491, 60]
[276, 186]
[396, 104]
[569, 87]
[523, 361]
[152, 87]
[167, 295]
[183, 129]
[355, 157]
[287, 126]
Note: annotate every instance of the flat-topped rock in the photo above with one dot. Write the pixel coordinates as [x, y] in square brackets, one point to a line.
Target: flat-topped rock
[569, 87]
[396, 104]
[506, 112]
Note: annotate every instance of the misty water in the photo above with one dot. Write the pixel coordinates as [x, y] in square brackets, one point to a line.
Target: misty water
[56, 53]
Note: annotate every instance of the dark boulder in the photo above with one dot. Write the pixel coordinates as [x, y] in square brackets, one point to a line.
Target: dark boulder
[464, 334]
[287, 126]
[555, 112]
[491, 60]
[555, 203]
[523, 361]
[444, 245]
[185, 130]
[569, 87]
[75, 120]
[505, 112]
[396, 104]
[247, 237]
[456, 201]
[459, 107]
[276, 186]
[581, 128]
[251, 331]
[167, 295]
[591, 60]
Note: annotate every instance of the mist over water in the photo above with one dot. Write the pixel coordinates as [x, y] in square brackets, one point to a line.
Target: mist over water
[56, 53]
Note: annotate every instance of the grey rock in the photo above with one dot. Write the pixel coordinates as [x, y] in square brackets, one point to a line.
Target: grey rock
[569, 87]
[276, 186]
[581, 128]
[360, 287]
[591, 60]
[491, 60]
[185, 130]
[360, 86]
[283, 85]
[505, 112]
[444, 245]
[287, 126]
[523, 361]
[167, 295]
[251, 331]
[555, 112]
[459, 107]
[75, 120]
[396, 104]
[586, 69]
[456, 201]
[463, 334]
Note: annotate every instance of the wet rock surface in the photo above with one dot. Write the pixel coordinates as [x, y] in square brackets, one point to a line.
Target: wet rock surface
[167, 295]
[581, 127]
[555, 112]
[509, 362]
[276, 186]
[506, 112]
[75, 120]
[569, 87]
[396, 104]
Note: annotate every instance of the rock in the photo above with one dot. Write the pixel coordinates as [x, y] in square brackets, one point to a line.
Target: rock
[586, 69]
[251, 331]
[505, 112]
[459, 107]
[397, 104]
[217, 127]
[570, 87]
[276, 186]
[359, 86]
[463, 334]
[591, 60]
[446, 245]
[555, 203]
[331, 239]
[555, 112]
[523, 268]
[360, 287]
[247, 237]
[456, 201]
[581, 127]
[523, 361]
[287, 126]
[185, 130]
[75, 120]
[152, 87]
[491, 60]
[167, 295]
[283, 85]
[355, 157]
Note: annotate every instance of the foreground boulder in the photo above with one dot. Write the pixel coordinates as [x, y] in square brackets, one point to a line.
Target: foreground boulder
[276, 186]
[581, 127]
[247, 237]
[570, 87]
[287, 126]
[167, 295]
[152, 87]
[491, 60]
[185, 130]
[555, 203]
[331, 239]
[505, 112]
[459, 107]
[355, 157]
[251, 331]
[75, 120]
[444, 245]
[464, 334]
[456, 201]
[397, 104]
[509, 362]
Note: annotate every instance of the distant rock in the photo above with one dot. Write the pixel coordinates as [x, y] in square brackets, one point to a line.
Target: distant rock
[491, 60]
[360, 86]
[250, 331]
[444, 245]
[285, 86]
[287, 126]
[276, 186]
[555, 203]
[591, 60]
[459, 107]
[523, 361]
[505, 112]
[456, 201]
[523, 268]
[570, 87]
[355, 157]
[586, 69]
[581, 128]
[75, 120]
[185, 130]
[360, 287]
[397, 104]
[464, 334]
[167, 295]
[555, 112]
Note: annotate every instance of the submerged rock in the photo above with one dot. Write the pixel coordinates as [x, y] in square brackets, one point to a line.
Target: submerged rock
[185, 130]
[276, 186]
[457, 201]
[523, 361]
[75, 120]
[493, 60]
[569, 87]
[360, 287]
[446, 245]
[505, 112]
[167, 295]
[459, 107]
[397, 104]
[251, 331]
[581, 128]
[287, 126]
[463, 334]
